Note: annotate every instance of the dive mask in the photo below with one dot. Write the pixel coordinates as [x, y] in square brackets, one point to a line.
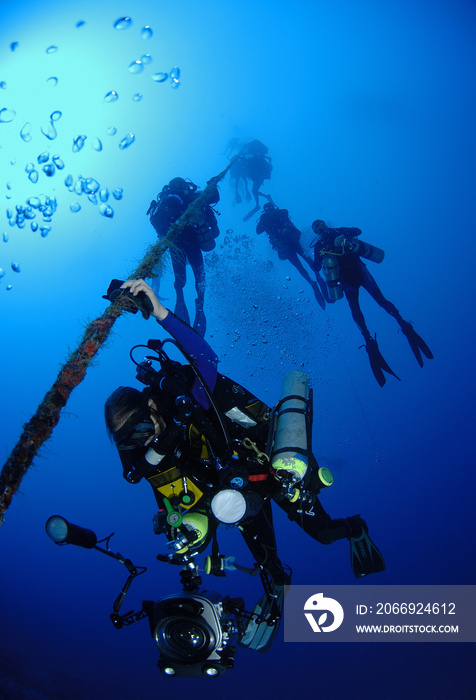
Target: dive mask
[135, 432]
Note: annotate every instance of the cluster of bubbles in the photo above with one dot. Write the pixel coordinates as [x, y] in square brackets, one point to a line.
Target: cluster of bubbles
[137, 66]
[46, 165]
[238, 268]
[22, 214]
[94, 192]
[35, 208]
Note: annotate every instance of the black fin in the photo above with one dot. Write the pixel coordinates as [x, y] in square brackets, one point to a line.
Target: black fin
[200, 322]
[417, 343]
[365, 557]
[248, 216]
[259, 636]
[378, 363]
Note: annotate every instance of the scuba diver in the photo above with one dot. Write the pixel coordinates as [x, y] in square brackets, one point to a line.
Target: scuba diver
[214, 453]
[188, 244]
[285, 238]
[252, 164]
[338, 253]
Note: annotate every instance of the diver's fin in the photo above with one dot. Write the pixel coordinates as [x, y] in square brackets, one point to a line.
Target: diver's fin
[378, 362]
[200, 322]
[417, 343]
[365, 557]
[259, 636]
[318, 296]
[248, 216]
[181, 311]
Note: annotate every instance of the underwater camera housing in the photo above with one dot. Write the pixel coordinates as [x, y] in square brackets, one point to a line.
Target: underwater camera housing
[193, 633]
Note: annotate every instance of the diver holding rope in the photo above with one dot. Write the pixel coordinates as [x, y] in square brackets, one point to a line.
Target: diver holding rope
[214, 453]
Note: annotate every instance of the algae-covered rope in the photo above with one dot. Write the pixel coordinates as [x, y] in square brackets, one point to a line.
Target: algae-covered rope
[41, 425]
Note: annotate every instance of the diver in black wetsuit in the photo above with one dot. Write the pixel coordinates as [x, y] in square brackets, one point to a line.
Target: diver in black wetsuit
[200, 439]
[188, 245]
[286, 240]
[338, 252]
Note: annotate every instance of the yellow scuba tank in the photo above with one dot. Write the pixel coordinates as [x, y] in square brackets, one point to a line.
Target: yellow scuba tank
[331, 272]
[289, 453]
[368, 251]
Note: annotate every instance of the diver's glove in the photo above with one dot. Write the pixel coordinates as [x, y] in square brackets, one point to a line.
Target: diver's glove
[132, 303]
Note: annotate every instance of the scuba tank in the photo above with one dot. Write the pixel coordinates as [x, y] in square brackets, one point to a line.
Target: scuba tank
[290, 447]
[367, 251]
[331, 272]
[206, 230]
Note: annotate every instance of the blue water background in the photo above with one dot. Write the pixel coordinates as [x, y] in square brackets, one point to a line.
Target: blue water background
[368, 110]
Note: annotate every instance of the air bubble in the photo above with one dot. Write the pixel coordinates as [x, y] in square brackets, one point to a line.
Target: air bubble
[78, 143]
[136, 67]
[58, 162]
[111, 96]
[106, 211]
[127, 141]
[90, 185]
[159, 77]
[7, 115]
[25, 132]
[123, 23]
[50, 131]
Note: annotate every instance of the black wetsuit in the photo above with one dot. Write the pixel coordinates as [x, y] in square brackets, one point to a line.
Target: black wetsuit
[202, 443]
[187, 246]
[286, 240]
[354, 274]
